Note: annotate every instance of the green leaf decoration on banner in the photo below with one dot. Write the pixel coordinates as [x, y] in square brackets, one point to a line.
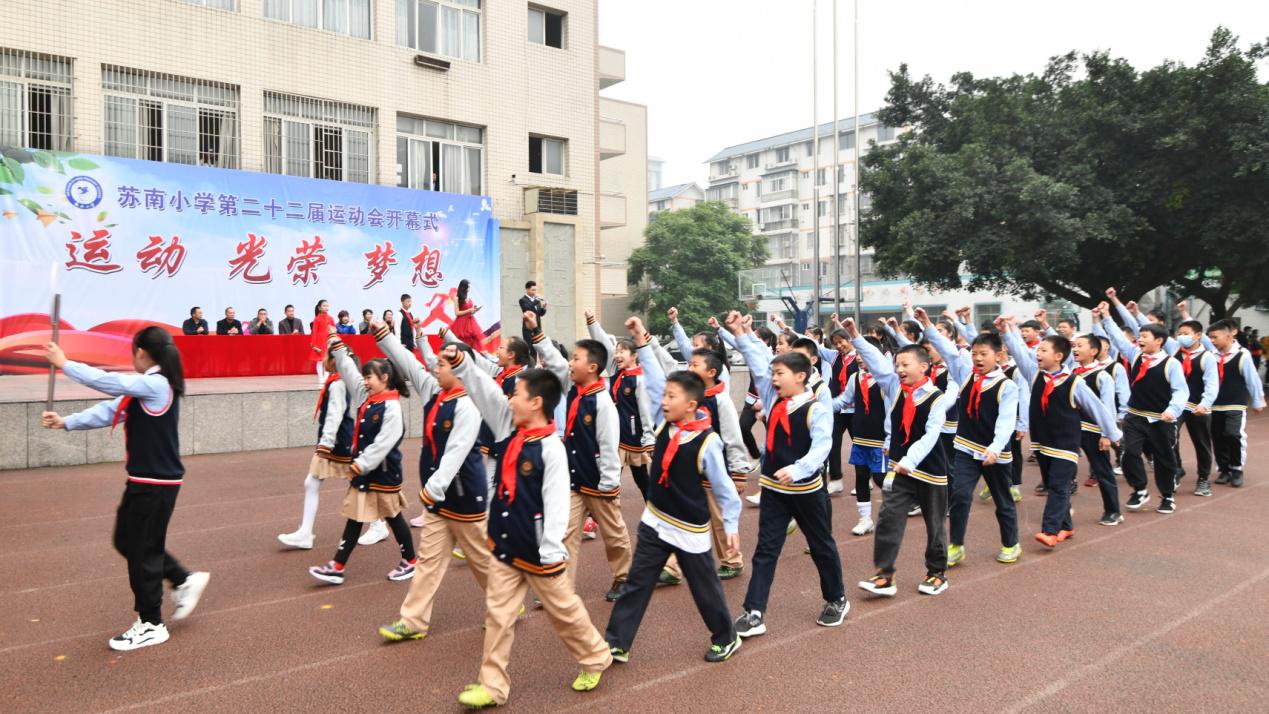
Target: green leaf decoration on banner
[81, 164]
[63, 215]
[45, 190]
[16, 174]
[5, 192]
[101, 216]
[44, 159]
[31, 206]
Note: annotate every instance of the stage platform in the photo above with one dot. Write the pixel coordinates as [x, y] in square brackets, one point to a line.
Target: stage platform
[218, 415]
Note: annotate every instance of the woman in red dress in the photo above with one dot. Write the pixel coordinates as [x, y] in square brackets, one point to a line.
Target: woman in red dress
[465, 326]
[319, 333]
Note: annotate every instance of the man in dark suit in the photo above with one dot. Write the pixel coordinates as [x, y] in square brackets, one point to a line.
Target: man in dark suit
[229, 325]
[531, 302]
[408, 323]
[195, 325]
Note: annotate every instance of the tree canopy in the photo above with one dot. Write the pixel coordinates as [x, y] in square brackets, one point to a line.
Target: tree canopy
[1087, 176]
[690, 260]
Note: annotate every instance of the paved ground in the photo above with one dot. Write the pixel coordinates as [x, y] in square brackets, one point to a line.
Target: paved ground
[1163, 613]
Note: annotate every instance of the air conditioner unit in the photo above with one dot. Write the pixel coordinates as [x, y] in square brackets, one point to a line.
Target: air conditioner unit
[559, 201]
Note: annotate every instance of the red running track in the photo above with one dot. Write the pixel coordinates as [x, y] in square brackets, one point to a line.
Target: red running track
[1162, 613]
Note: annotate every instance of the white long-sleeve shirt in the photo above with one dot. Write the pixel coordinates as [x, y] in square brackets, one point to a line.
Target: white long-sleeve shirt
[607, 428]
[151, 388]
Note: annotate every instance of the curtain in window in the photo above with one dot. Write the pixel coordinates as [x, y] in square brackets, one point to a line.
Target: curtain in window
[335, 15]
[471, 36]
[121, 127]
[359, 18]
[278, 9]
[298, 148]
[60, 118]
[357, 155]
[420, 168]
[11, 110]
[304, 12]
[473, 171]
[451, 168]
[452, 31]
[182, 134]
[273, 145]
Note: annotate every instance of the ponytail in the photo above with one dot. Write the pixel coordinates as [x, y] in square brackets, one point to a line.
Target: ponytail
[384, 369]
[157, 343]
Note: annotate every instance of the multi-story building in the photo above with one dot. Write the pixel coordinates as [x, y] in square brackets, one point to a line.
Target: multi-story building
[623, 148]
[673, 198]
[656, 168]
[775, 183]
[494, 98]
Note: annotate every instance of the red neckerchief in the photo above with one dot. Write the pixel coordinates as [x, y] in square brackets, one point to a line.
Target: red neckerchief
[616, 380]
[935, 370]
[846, 362]
[409, 319]
[120, 412]
[385, 395]
[430, 423]
[511, 371]
[597, 386]
[1141, 371]
[1050, 383]
[975, 393]
[699, 424]
[1084, 370]
[1221, 359]
[1032, 345]
[909, 407]
[779, 418]
[865, 386]
[321, 397]
[507, 482]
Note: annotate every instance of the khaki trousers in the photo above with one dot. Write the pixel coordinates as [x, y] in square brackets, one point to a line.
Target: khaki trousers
[436, 540]
[504, 595]
[612, 529]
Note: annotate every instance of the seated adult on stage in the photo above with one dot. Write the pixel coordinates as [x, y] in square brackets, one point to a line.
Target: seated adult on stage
[344, 326]
[262, 325]
[290, 324]
[364, 327]
[195, 325]
[229, 325]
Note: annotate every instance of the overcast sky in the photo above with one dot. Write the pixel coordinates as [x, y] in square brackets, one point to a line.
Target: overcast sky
[719, 72]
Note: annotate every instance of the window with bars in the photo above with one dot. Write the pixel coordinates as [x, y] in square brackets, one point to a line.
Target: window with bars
[440, 156]
[35, 100]
[985, 313]
[317, 138]
[546, 155]
[346, 17]
[441, 27]
[163, 117]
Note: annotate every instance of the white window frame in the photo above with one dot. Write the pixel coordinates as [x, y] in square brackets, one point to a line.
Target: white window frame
[423, 136]
[22, 73]
[228, 5]
[284, 11]
[563, 144]
[441, 43]
[132, 91]
[286, 115]
[752, 160]
[782, 154]
[543, 11]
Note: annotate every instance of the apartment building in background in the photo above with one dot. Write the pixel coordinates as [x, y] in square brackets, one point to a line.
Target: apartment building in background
[673, 198]
[775, 183]
[464, 96]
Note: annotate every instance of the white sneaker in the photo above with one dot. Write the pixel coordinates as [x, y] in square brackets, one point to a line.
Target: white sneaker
[303, 541]
[852, 492]
[188, 594]
[755, 499]
[1119, 471]
[417, 522]
[141, 634]
[378, 531]
[865, 525]
[834, 487]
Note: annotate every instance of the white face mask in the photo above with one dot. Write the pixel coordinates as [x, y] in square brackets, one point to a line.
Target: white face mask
[1187, 341]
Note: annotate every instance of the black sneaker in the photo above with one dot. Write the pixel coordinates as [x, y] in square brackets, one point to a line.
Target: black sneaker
[615, 592]
[1137, 500]
[1222, 478]
[723, 653]
[1166, 505]
[750, 624]
[1041, 489]
[1236, 479]
[1202, 488]
[834, 613]
[914, 511]
[1111, 519]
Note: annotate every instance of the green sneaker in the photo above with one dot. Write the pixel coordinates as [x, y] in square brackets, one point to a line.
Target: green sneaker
[476, 697]
[985, 494]
[619, 655]
[1015, 493]
[1009, 554]
[955, 554]
[726, 572]
[399, 631]
[586, 681]
[668, 578]
[793, 527]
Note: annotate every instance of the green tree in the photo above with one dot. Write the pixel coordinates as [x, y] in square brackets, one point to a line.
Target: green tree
[689, 260]
[1088, 176]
